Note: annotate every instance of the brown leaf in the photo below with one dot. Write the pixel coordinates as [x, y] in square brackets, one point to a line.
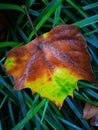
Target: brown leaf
[89, 111]
[51, 64]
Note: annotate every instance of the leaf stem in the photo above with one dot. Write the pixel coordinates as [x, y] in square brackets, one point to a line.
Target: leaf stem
[30, 21]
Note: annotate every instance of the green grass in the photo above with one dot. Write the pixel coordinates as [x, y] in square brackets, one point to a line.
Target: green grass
[22, 110]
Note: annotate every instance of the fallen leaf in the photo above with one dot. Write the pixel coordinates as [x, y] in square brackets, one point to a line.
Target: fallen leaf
[94, 120]
[51, 64]
[89, 111]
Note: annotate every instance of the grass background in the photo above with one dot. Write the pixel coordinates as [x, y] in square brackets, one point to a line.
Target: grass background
[22, 110]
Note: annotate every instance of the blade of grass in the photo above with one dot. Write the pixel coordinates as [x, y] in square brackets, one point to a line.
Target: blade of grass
[20, 19]
[70, 124]
[13, 34]
[10, 43]
[57, 16]
[22, 34]
[76, 94]
[90, 6]
[87, 85]
[90, 32]
[0, 125]
[52, 123]
[22, 107]
[9, 91]
[44, 111]
[29, 115]
[77, 8]
[11, 113]
[93, 42]
[11, 7]
[93, 54]
[92, 93]
[3, 101]
[38, 126]
[45, 2]
[87, 21]
[44, 126]
[49, 10]
[69, 14]
[77, 113]
[31, 2]
[55, 118]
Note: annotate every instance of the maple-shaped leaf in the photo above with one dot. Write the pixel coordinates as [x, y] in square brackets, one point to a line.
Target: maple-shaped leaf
[51, 64]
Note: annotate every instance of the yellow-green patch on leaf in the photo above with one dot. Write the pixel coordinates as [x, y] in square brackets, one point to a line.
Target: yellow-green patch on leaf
[54, 87]
[10, 63]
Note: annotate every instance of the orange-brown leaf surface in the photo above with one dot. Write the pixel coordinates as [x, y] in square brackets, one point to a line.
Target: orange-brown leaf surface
[51, 64]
